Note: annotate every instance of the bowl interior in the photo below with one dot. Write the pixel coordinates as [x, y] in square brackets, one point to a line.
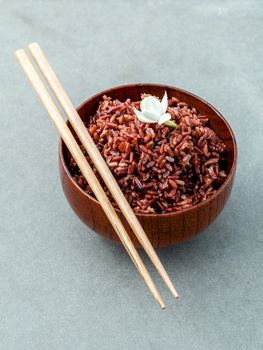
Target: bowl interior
[216, 120]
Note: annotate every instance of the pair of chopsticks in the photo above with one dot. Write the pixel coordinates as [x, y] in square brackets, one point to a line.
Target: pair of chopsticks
[88, 143]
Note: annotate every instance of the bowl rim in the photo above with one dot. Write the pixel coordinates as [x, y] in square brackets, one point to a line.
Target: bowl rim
[192, 208]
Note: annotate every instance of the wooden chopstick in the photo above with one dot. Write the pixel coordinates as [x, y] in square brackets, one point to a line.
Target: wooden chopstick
[85, 168]
[98, 160]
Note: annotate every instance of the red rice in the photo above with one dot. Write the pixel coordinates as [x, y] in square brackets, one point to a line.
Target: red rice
[159, 169]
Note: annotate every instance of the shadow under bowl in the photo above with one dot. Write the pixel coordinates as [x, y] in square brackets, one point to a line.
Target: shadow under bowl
[162, 229]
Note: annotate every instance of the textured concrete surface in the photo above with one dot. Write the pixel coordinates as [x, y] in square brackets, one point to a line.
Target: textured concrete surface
[62, 286]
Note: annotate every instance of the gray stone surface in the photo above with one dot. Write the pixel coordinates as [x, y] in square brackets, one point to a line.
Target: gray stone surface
[62, 286]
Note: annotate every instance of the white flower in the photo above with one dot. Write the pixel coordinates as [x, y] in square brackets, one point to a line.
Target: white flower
[154, 111]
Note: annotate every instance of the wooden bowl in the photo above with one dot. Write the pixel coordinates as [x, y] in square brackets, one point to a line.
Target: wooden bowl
[162, 229]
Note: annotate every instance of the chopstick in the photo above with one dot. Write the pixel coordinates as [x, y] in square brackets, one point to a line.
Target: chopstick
[98, 160]
[85, 168]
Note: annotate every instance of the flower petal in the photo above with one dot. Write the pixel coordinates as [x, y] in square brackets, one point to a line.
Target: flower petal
[164, 118]
[152, 117]
[141, 117]
[151, 104]
[164, 103]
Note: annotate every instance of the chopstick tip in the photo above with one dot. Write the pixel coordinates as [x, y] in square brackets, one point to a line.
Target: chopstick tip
[19, 52]
[32, 45]
[161, 302]
[174, 292]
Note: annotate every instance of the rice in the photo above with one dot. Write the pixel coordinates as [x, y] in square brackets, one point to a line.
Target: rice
[159, 169]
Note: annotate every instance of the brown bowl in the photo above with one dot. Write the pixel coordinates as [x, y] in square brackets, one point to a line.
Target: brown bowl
[162, 229]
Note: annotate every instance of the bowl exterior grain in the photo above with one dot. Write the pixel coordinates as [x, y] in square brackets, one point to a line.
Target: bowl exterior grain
[162, 229]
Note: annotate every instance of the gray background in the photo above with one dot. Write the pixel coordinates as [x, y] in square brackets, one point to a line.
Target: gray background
[62, 286]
